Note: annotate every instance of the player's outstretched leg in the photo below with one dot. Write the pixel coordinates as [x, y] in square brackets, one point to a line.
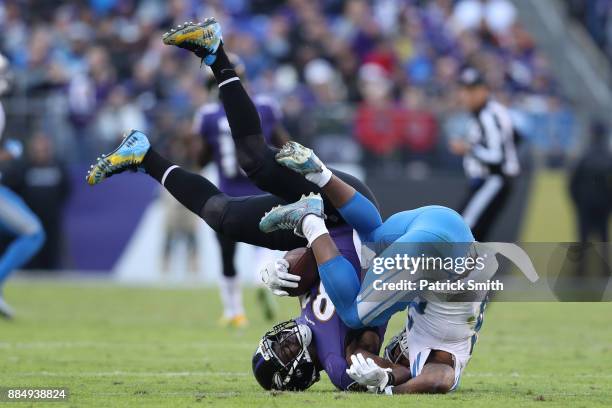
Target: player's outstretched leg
[254, 156]
[235, 217]
[19, 221]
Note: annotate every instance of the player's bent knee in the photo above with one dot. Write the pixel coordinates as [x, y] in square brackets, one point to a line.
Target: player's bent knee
[437, 378]
[39, 238]
[214, 210]
[440, 386]
[251, 153]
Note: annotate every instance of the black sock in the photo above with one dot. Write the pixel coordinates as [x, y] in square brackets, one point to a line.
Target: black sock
[222, 68]
[241, 113]
[156, 165]
[191, 190]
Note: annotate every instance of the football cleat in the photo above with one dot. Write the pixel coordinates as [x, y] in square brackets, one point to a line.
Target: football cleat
[299, 159]
[203, 39]
[290, 216]
[127, 156]
[239, 321]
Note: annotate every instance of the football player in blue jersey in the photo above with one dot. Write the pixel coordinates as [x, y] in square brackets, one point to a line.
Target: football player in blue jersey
[440, 331]
[17, 221]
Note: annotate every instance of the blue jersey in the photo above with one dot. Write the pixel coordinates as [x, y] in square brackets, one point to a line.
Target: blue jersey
[432, 224]
[211, 123]
[328, 330]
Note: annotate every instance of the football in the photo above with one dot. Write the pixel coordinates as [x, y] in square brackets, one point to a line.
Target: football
[302, 262]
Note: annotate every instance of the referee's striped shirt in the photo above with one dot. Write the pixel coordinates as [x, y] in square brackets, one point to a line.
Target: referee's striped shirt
[490, 163]
[491, 136]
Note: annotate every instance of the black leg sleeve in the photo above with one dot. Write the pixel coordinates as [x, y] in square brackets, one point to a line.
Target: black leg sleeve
[289, 185]
[241, 113]
[237, 218]
[191, 190]
[228, 251]
[254, 156]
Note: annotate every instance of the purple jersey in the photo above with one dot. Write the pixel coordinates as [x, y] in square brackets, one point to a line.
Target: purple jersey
[211, 123]
[328, 331]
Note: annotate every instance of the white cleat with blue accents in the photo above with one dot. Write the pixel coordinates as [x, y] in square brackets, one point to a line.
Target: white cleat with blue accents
[290, 216]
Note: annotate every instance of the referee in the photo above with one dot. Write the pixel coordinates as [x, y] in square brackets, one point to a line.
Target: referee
[489, 154]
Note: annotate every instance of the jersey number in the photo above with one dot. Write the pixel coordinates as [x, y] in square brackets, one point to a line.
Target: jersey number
[322, 306]
[227, 149]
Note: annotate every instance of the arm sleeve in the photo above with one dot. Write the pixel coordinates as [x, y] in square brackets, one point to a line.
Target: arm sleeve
[361, 214]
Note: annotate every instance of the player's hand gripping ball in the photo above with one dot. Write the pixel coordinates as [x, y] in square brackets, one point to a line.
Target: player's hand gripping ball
[294, 275]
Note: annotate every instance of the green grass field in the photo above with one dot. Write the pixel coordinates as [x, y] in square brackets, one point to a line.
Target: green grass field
[121, 346]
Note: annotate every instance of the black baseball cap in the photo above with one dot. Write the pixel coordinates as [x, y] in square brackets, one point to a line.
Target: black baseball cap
[471, 77]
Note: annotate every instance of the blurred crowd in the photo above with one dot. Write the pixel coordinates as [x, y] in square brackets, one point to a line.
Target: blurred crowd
[596, 15]
[359, 80]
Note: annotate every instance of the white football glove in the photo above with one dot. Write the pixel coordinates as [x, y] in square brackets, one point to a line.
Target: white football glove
[276, 277]
[367, 372]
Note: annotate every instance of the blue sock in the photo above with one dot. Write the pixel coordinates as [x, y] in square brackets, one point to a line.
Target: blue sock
[361, 214]
[342, 285]
[19, 253]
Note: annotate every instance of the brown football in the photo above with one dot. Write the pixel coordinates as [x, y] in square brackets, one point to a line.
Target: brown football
[302, 262]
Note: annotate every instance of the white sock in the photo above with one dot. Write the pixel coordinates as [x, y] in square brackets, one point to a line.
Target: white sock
[236, 297]
[320, 179]
[313, 227]
[231, 296]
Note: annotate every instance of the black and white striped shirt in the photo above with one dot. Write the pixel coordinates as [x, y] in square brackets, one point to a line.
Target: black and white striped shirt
[491, 136]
